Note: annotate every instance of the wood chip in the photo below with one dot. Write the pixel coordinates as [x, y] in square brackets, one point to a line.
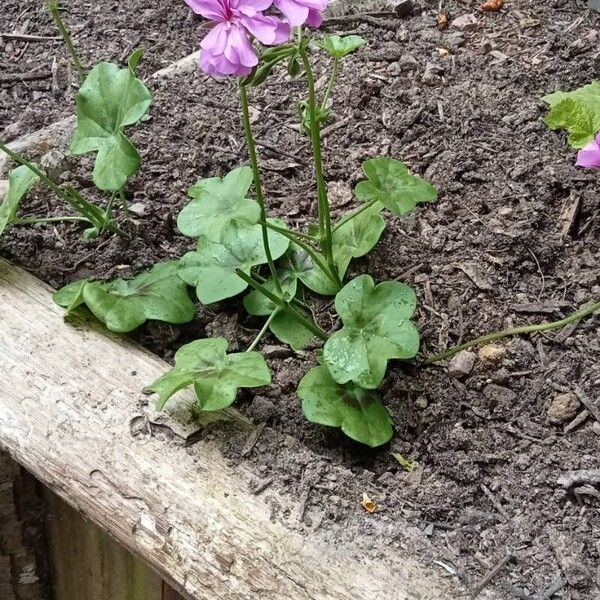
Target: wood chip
[568, 216]
[492, 5]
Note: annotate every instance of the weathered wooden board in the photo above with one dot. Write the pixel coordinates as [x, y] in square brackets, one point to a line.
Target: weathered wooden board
[68, 398]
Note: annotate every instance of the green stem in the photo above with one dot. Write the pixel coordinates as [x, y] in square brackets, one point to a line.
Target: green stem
[66, 36]
[576, 316]
[309, 250]
[264, 330]
[315, 136]
[331, 84]
[357, 212]
[48, 220]
[283, 305]
[258, 184]
[124, 202]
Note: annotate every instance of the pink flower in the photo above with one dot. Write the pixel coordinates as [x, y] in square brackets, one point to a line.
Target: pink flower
[227, 49]
[589, 157]
[298, 12]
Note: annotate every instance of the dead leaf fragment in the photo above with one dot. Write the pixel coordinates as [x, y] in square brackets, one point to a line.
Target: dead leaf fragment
[408, 465]
[492, 5]
[368, 504]
[442, 21]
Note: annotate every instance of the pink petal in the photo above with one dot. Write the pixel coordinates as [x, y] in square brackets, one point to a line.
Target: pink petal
[589, 157]
[315, 18]
[217, 64]
[295, 12]
[209, 9]
[268, 30]
[255, 5]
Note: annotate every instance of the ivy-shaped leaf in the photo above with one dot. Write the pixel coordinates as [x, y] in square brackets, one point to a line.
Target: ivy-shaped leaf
[215, 375]
[212, 267]
[376, 329]
[290, 331]
[109, 100]
[578, 112]
[390, 182]
[124, 304]
[216, 203]
[297, 263]
[19, 182]
[338, 47]
[356, 236]
[358, 412]
[259, 305]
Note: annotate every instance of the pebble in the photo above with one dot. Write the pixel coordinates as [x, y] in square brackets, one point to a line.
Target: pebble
[461, 364]
[466, 22]
[492, 353]
[408, 62]
[138, 209]
[563, 408]
[432, 73]
[262, 409]
[403, 8]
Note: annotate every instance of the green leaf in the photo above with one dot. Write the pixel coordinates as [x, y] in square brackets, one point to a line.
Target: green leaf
[578, 112]
[290, 331]
[257, 304]
[215, 375]
[122, 305]
[109, 99]
[338, 47]
[357, 236]
[390, 182]
[376, 329]
[20, 180]
[300, 265]
[216, 203]
[358, 412]
[212, 267]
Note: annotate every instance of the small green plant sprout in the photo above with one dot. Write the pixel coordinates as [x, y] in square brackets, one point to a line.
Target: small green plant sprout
[109, 99]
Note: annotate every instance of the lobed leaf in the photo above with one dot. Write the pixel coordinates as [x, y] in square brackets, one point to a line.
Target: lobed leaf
[212, 267]
[20, 180]
[122, 305]
[578, 112]
[215, 375]
[390, 182]
[338, 47]
[376, 328]
[358, 412]
[110, 99]
[290, 331]
[297, 263]
[217, 202]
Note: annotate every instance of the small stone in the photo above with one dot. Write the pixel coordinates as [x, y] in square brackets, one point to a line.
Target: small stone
[454, 40]
[492, 353]
[262, 409]
[461, 364]
[407, 62]
[421, 403]
[403, 8]
[138, 209]
[563, 408]
[596, 428]
[432, 73]
[466, 22]
[271, 351]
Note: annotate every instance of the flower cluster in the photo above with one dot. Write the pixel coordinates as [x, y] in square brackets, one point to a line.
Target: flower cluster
[227, 49]
[589, 157]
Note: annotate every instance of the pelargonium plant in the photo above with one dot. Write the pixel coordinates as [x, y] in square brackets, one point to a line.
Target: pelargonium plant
[240, 249]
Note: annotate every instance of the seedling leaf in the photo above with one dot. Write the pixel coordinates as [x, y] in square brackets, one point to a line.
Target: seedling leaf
[110, 99]
[300, 265]
[122, 305]
[20, 180]
[358, 412]
[216, 203]
[390, 182]
[215, 375]
[290, 331]
[212, 267]
[578, 112]
[376, 328]
[338, 47]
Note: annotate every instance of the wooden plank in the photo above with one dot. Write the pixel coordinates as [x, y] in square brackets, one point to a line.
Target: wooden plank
[87, 563]
[68, 399]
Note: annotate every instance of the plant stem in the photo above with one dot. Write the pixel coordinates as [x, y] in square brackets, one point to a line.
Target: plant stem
[35, 221]
[258, 184]
[264, 330]
[358, 211]
[576, 316]
[66, 36]
[309, 250]
[124, 202]
[283, 305]
[331, 84]
[315, 136]
[71, 196]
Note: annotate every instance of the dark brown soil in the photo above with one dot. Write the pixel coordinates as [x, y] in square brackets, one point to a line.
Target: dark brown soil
[491, 253]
